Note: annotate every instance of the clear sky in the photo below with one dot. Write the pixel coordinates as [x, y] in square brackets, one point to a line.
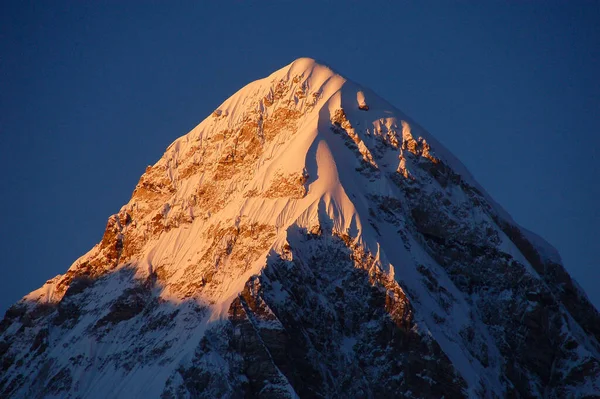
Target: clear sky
[93, 92]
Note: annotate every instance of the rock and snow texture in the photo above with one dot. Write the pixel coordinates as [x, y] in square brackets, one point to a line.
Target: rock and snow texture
[306, 240]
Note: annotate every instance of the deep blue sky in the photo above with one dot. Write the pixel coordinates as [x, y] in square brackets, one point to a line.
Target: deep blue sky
[92, 93]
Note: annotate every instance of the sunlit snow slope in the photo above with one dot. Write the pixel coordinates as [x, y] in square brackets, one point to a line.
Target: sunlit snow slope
[306, 240]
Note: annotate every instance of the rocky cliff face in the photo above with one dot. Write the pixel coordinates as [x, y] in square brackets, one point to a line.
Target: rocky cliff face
[306, 240]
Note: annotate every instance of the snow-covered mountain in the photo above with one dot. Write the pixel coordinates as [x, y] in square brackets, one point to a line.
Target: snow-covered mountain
[306, 240]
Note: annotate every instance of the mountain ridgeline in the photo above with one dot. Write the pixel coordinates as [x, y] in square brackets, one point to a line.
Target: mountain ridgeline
[306, 240]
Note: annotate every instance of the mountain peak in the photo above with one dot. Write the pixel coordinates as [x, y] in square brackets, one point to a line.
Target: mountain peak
[307, 239]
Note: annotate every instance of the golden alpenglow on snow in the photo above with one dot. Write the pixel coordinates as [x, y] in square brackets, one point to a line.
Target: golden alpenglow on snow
[307, 239]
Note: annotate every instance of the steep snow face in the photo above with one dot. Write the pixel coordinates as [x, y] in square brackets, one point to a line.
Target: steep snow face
[306, 239]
